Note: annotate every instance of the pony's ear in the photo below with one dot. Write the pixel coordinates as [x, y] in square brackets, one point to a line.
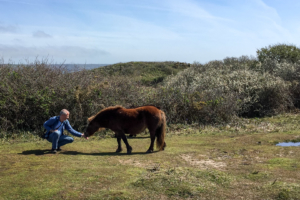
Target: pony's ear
[90, 119]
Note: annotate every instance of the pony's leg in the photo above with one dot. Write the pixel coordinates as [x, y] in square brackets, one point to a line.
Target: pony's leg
[152, 136]
[119, 149]
[124, 138]
[164, 146]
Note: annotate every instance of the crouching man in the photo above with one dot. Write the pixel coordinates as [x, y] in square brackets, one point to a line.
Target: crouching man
[55, 127]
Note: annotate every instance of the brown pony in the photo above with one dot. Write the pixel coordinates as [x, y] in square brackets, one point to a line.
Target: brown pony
[132, 121]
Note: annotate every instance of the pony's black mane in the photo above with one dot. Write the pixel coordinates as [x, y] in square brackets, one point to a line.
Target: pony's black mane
[103, 110]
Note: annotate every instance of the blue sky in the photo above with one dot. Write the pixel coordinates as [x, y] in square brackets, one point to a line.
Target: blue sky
[112, 31]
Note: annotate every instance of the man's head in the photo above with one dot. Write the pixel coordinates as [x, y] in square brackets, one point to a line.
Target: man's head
[64, 115]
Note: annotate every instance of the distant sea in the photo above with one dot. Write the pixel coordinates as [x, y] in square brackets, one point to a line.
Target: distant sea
[79, 67]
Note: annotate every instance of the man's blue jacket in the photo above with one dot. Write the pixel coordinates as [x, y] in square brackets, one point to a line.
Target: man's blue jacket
[53, 123]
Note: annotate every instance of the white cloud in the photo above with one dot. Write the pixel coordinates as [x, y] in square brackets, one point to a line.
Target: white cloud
[270, 11]
[149, 30]
[128, 28]
[192, 9]
[58, 52]
[41, 34]
[271, 25]
[8, 29]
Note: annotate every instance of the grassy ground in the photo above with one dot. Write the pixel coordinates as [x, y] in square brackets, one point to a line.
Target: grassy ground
[237, 161]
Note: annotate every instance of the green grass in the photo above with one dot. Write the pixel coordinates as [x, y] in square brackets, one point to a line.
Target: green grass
[198, 163]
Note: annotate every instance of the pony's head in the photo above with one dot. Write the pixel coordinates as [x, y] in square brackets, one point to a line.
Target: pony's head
[93, 126]
[99, 121]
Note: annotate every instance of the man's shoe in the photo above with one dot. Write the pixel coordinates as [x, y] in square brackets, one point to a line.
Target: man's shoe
[58, 149]
[53, 150]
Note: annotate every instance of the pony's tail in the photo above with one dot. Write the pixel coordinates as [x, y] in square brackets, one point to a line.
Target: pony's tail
[161, 132]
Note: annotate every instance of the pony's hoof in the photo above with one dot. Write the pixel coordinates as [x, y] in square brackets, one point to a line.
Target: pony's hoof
[129, 150]
[149, 151]
[118, 150]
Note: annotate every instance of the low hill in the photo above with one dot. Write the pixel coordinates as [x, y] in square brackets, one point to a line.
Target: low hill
[149, 73]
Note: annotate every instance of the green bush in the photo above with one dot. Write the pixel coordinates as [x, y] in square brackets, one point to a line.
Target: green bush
[286, 70]
[279, 52]
[211, 93]
[31, 93]
[229, 88]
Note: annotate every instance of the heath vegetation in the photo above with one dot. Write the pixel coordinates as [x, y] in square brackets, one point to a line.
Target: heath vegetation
[213, 93]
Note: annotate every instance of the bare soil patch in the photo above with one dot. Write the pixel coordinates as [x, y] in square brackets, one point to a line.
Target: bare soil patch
[203, 164]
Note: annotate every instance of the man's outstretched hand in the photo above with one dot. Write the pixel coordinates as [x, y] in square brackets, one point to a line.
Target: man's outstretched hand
[82, 135]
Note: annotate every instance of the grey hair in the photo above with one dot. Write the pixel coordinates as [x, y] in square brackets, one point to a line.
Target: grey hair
[64, 112]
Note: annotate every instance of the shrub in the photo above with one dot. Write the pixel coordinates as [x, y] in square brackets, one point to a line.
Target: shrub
[212, 93]
[31, 93]
[279, 52]
[229, 88]
[286, 70]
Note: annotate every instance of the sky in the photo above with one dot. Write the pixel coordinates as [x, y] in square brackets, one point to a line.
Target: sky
[113, 31]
